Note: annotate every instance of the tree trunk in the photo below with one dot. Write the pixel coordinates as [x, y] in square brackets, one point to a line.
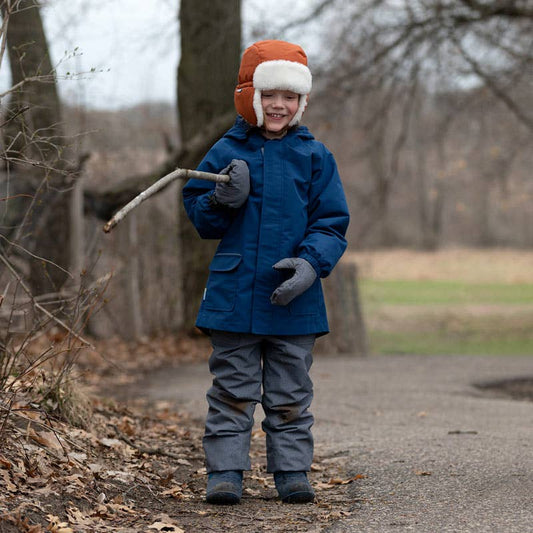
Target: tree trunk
[34, 147]
[207, 75]
[30, 132]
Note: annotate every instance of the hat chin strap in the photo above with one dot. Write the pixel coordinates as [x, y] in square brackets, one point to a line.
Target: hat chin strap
[258, 108]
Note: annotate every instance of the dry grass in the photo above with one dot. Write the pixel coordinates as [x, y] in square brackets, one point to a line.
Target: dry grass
[459, 264]
[461, 301]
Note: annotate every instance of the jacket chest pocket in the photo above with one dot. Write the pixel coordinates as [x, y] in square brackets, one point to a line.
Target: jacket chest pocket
[222, 283]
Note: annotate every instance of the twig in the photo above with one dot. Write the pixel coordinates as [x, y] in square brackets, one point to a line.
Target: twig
[41, 308]
[179, 173]
[29, 79]
[47, 450]
[144, 449]
[39, 258]
[493, 86]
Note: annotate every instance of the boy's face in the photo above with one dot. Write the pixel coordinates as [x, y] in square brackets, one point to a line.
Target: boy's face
[279, 108]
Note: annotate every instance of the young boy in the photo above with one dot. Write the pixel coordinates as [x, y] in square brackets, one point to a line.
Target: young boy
[281, 222]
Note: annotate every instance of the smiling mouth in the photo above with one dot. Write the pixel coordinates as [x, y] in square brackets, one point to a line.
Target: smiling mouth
[275, 115]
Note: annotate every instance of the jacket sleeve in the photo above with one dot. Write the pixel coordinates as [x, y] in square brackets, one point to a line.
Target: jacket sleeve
[328, 218]
[210, 221]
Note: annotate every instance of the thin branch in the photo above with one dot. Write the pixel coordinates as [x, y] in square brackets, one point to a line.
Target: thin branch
[499, 9]
[34, 256]
[312, 15]
[144, 449]
[40, 307]
[23, 82]
[179, 173]
[493, 86]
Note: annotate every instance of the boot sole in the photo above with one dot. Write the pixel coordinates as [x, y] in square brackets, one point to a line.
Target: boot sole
[299, 497]
[223, 498]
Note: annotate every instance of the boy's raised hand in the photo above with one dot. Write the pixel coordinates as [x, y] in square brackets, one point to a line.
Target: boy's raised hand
[235, 192]
[303, 277]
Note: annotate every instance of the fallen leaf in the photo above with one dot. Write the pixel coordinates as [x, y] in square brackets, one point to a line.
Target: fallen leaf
[95, 467]
[48, 439]
[125, 477]
[4, 463]
[127, 426]
[161, 526]
[422, 473]
[173, 491]
[55, 526]
[11, 487]
[252, 492]
[110, 443]
[261, 480]
[323, 486]
[338, 481]
[78, 456]
[177, 492]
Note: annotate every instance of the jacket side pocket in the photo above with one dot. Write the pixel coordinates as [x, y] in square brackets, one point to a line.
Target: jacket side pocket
[308, 302]
[222, 283]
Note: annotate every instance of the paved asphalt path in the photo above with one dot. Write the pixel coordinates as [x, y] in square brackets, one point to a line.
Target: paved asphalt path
[439, 455]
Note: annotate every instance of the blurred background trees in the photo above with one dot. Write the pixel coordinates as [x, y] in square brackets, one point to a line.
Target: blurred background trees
[439, 102]
[426, 105]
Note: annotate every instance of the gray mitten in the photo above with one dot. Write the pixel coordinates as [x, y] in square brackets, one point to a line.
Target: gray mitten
[303, 277]
[235, 192]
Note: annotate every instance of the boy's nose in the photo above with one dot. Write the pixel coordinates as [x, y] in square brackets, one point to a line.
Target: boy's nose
[278, 101]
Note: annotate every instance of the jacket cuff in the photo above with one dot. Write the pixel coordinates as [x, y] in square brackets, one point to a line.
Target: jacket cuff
[313, 262]
[214, 203]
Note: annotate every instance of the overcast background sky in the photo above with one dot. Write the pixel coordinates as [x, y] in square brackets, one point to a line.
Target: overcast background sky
[132, 45]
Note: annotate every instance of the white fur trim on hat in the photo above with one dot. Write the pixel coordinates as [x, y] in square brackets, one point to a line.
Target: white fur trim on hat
[282, 75]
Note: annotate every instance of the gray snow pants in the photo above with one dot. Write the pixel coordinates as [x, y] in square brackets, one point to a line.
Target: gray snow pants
[248, 369]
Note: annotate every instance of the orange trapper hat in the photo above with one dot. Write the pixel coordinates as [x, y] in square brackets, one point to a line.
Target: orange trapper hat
[268, 65]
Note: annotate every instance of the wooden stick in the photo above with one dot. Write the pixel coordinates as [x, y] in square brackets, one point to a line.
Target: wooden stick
[179, 173]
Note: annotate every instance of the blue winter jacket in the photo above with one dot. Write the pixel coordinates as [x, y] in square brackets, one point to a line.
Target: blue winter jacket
[296, 208]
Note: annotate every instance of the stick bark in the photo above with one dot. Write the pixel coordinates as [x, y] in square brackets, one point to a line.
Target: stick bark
[179, 173]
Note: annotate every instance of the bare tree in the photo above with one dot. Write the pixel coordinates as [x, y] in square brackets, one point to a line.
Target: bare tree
[392, 56]
[34, 150]
[210, 54]
[205, 92]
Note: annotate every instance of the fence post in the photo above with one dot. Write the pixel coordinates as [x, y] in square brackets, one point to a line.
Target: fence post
[347, 329]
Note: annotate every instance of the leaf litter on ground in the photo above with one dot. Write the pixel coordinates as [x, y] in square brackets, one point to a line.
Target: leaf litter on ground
[140, 467]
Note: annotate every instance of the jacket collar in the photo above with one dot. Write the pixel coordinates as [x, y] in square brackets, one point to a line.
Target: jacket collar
[241, 130]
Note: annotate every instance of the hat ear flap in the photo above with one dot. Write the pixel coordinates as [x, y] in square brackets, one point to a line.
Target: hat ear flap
[304, 98]
[258, 108]
[244, 103]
